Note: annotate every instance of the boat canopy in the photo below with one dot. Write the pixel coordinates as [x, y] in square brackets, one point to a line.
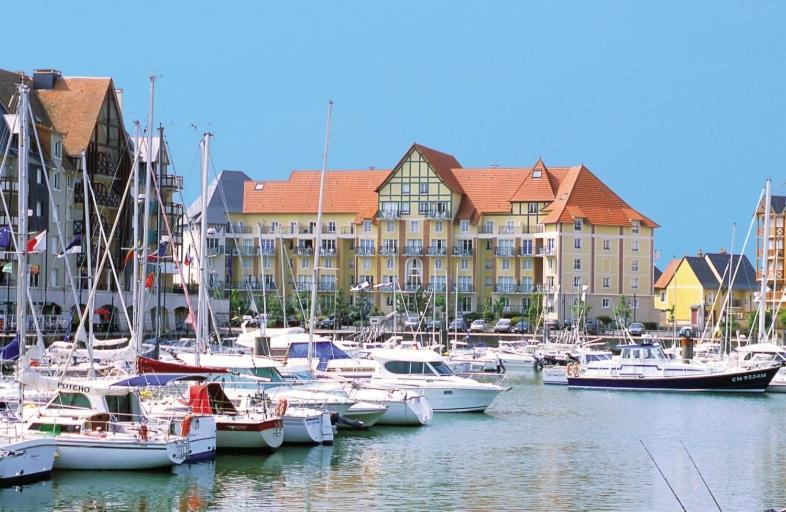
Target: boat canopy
[157, 379]
[325, 351]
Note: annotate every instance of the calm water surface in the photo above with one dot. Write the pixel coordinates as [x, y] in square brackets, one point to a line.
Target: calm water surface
[538, 448]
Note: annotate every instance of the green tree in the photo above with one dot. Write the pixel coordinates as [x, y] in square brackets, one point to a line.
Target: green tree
[623, 309]
[499, 307]
[534, 309]
[753, 324]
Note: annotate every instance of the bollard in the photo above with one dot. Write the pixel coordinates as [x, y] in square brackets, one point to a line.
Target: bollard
[687, 349]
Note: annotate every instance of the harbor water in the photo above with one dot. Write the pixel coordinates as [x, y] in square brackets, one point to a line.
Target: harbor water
[537, 448]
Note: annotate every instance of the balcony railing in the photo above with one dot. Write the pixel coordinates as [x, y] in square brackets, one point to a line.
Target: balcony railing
[463, 288]
[435, 214]
[327, 286]
[462, 251]
[486, 230]
[505, 288]
[506, 230]
[302, 250]
[329, 229]
[525, 251]
[413, 250]
[436, 287]
[250, 251]
[9, 184]
[239, 229]
[434, 250]
[347, 230]
[364, 251]
[388, 251]
[214, 251]
[389, 214]
[103, 196]
[172, 182]
[504, 251]
[267, 250]
[327, 251]
[413, 287]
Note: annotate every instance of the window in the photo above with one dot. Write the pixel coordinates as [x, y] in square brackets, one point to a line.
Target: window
[634, 246]
[577, 243]
[438, 264]
[634, 283]
[577, 281]
[39, 209]
[303, 262]
[634, 266]
[55, 246]
[438, 226]
[391, 226]
[247, 264]
[56, 180]
[532, 207]
[526, 264]
[663, 296]
[404, 208]
[58, 149]
[424, 188]
[389, 263]
[53, 278]
[526, 247]
[389, 300]
[405, 189]
[488, 226]
[635, 228]
[329, 262]
[607, 282]
[577, 264]
[577, 225]
[70, 401]
[414, 226]
[366, 263]
[367, 226]
[464, 225]
[488, 265]
[463, 264]
[506, 264]
[331, 226]
[487, 281]
[33, 277]
[607, 245]
[605, 303]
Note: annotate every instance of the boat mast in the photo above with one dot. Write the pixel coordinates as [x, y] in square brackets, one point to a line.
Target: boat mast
[135, 240]
[283, 282]
[730, 295]
[88, 231]
[264, 286]
[312, 321]
[202, 307]
[764, 264]
[140, 305]
[21, 258]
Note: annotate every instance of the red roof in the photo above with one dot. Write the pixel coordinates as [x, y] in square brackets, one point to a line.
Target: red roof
[442, 163]
[668, 272]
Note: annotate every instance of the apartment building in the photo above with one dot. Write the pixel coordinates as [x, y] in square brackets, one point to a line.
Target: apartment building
[481, 235]
[776, 283]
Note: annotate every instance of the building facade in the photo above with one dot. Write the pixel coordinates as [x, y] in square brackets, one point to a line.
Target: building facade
[493, 236]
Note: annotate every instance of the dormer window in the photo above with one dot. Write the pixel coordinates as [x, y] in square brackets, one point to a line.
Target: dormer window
[537, 173]
[635, 228]
[577, 225]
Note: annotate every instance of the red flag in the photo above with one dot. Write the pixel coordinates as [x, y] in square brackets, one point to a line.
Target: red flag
[37, 243]
[187, 260]
[128, 257]
[149, 280]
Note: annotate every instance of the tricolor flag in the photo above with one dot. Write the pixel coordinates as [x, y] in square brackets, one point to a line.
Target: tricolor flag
[187, 259]
[5, 238]
[361, 286]
[37, 243]
[73, 247]
[159, 253]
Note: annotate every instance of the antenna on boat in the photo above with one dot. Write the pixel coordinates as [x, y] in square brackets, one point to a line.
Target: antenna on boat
[664, 476]
[701, 476]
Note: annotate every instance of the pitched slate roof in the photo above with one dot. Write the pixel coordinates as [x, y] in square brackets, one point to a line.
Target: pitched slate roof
[226, 189]
[702, 271]
[8, 95]
[73, 105]
[746, 275]
[656, 273]
[345, 192]
[777, 203]
[665, 277]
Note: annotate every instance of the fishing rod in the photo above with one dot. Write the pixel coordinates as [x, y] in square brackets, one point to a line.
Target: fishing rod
[701, 476]
[664, 476]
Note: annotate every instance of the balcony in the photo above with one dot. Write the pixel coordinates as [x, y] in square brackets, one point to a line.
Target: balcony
[9, 184]
[464, 288]
[171, 182]
[506, 288]
[389, 214]
[506, 230]
[504, 251]
[436, 287]
[327, 286]
[303, 286]
[239, 229]
[436, 214]
[302, 250]
[486, 230]
[329, 229]
[525, 251]
[347, 230]
[412, 287]
[434, 250]
[250, 251]
[327, 251]
[267, 250]
[540, 228]
[462, 251]
[364, 251]
[215, 251]
[104, 164]
[388, 251]
[413, 250]
[104, 197]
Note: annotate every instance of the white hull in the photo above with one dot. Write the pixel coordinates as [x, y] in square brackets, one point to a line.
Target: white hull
[78, 451]
[778, 386]
[555, 375]
[411, 411]
[367, 413]
[451, 399]
[201, 438]
[26, 460]
[307, 427]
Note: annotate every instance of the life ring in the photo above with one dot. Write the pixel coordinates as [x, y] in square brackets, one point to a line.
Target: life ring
[281, 407]
[143, 432]
[569, 370]
[574, 369]
[185, 427]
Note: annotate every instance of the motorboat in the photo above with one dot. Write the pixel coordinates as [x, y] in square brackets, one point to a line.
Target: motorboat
[757, 355]
[515, 354]
[558, 374]
[327, 357]
[426, 372]
[24, 457]
[403, 406]
[646, 367]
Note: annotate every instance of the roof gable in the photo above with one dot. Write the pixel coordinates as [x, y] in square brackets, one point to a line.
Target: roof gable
[441, 163]
[746, 275]
[665, 278]
[701, 269]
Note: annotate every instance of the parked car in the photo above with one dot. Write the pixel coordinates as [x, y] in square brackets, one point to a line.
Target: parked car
[503, 325]
[411, 321]
[433, 325]
[478, 325]
[636, 329]
[551, 325]
[521, 327]
[458, 324]
[592, 327]
[328, 322]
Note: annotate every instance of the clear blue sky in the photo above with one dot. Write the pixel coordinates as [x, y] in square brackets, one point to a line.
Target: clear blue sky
[678, 106]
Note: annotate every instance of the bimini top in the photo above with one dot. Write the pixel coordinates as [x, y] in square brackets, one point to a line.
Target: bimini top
[231, 361]
[412, 356]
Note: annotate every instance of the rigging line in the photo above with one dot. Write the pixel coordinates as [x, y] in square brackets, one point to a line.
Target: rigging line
[664, 476]
[702, 477]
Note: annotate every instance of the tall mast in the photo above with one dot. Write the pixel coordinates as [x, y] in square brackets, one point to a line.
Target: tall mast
[730, 294]
[283, 282]
[160, 172]
[88, 232]
[140, 305]
[264, 285]
[21, 287]
[764, 265]
[202, 307]
[135, 240]
[318, 242]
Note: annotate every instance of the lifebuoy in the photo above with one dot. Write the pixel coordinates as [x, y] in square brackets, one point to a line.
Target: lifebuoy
[281, 407]
[143, 432]
[185, 428]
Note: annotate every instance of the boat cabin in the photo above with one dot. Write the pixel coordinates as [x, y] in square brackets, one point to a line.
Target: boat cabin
[411, 362]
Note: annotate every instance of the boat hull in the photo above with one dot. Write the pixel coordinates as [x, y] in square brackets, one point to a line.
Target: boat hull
[749, 381]
[459, 400]
[308, 428]
[251, 435]
[410, 411]
[26, 461]
[201, 438]
[82, 452]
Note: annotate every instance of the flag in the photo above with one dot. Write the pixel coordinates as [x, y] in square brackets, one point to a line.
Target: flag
[159, 253]
[187, 259]
[73, 247]
[128, 257]
[37, 243]
[5, 238]
[8, 268]
[362, 286]
[149, 280]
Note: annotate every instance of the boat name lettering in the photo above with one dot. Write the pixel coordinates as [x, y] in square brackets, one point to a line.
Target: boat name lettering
[73, 387]
[751, 376]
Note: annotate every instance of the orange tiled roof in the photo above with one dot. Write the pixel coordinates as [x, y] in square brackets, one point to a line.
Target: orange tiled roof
[442, 163]
[582, 195]
[487, 190]
[73, 105]
[668, 272]
[345, 192]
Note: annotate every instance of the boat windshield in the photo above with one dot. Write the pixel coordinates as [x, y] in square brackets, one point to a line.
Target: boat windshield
[441, 368]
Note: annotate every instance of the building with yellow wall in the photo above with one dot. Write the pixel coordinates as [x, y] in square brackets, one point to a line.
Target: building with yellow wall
[482, 235]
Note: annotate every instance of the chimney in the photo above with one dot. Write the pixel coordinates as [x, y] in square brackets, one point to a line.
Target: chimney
[119, 94]
[45, 78]
[699, 253]
[723, 250]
